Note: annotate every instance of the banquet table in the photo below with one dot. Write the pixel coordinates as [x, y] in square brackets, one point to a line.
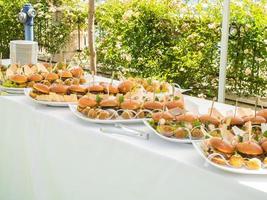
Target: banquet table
[46, 153]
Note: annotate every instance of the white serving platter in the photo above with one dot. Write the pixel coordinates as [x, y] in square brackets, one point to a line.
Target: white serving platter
[47, 103]
[197, 145]
[12, 90]
[74, 110]
[170, 139]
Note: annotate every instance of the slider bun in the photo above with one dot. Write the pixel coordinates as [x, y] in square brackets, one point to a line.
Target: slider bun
[207, 118]
[222, 146]
[20, 79]
[235, 120]
[111, 89]
[152, 105]
[130, 104]
[77, 72]
[66, 74]
[58, 88]
[187, 117]
[77, 88]
[255, 119]
[126, 86]
[162, 115]
[249, 148]
[175, 104]
[35, 77]
[264, 145]
[109, 103]
[262, 113]
[96, 88]
[51, 77]
[41, 88]
[86, 102]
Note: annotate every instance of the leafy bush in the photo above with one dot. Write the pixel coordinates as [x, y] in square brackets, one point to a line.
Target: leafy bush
[54, 22]
[180, 42]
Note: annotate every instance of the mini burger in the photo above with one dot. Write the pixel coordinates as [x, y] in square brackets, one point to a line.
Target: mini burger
[111, 89]
[249, 148]
[187, 122]
[39, 89]
[162, 115]
[234, 121]
[96, 89]
[109, 103]
[64, 75]
[85, 102]
[262, 113]
[217, 145]
[19, 80]
[77, 72]
[176, 103]
[35, 78]
[255, 120]
[51, 77]
[126, 86]
[78, 90]
[153, 105]
[130, 104]
[59, 89]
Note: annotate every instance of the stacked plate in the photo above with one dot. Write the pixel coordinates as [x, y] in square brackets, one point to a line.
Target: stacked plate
[23, 52]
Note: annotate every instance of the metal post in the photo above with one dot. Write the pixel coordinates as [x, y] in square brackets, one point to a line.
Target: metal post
[224, 50]
[26, 17]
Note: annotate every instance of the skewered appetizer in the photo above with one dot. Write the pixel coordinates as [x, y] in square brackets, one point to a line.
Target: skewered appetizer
[242, 142]
[119, 106]
[57, 92]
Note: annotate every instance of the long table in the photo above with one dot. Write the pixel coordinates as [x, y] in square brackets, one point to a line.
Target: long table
[47, 153]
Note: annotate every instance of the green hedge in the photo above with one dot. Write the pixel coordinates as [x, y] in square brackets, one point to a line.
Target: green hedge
[179, 42]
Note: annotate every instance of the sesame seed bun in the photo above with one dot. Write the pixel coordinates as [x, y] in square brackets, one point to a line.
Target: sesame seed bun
[249, 148]
[20, 79]
[41, 88]
[221, 146]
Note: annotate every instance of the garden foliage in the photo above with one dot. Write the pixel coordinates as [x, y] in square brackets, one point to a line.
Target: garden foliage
[180, 42]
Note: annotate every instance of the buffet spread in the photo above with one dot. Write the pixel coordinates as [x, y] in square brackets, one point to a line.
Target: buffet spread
[235, 141]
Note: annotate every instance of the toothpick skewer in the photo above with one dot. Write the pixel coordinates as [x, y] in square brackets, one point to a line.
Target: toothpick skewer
[236, 103]
[212, 105]
[93, 76]
[255, 108]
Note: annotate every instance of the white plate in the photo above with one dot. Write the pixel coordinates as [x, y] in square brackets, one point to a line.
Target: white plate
[197, 145]
[12, 90]
[47, 103]
[187, 140]
[74, 110]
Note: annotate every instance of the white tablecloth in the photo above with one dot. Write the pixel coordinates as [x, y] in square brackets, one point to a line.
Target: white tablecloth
[48, 154]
